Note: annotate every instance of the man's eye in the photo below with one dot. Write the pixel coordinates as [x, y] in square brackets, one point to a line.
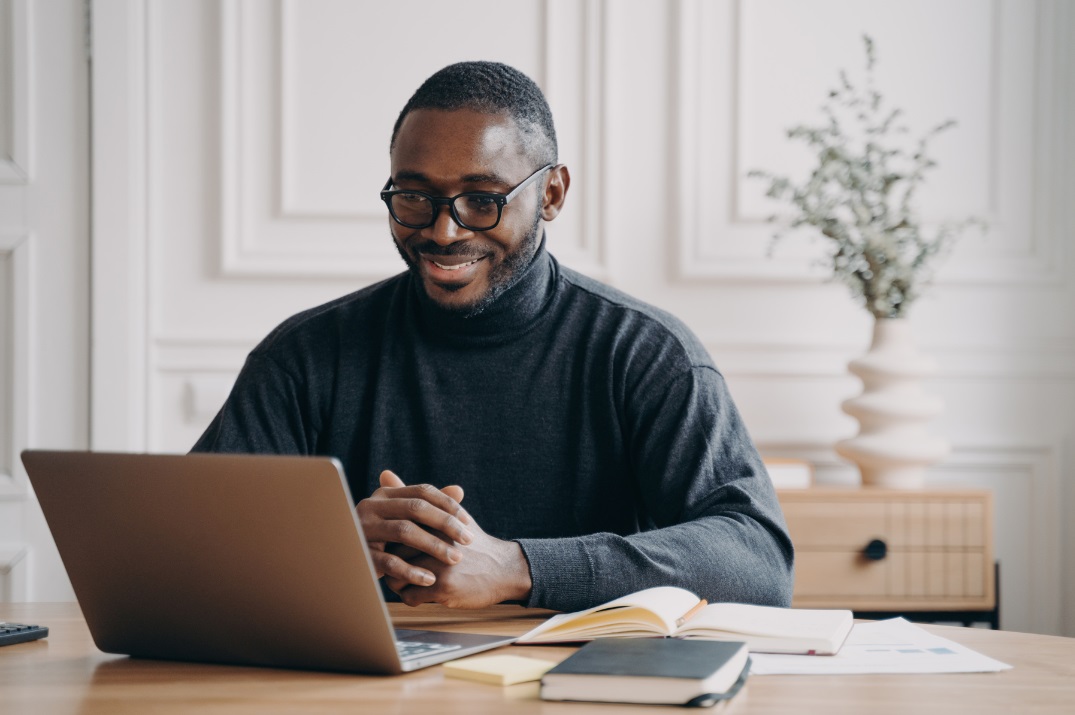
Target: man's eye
[481, 203]
[411, 198]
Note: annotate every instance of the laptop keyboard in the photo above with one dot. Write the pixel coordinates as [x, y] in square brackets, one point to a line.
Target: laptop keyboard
[414, 649]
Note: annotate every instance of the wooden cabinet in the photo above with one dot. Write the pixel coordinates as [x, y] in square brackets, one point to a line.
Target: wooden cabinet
[892, 550]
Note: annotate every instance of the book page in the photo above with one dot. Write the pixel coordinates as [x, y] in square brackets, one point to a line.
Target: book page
[657, 607]
[770, 621]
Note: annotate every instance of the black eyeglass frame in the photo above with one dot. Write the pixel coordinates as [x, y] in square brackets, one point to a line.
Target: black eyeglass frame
[501, 200]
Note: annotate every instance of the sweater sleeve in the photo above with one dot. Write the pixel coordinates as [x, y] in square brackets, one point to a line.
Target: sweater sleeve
[713, 523]
[265, 413]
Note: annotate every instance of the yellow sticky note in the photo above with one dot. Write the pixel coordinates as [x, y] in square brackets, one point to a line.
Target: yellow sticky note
[498, 669]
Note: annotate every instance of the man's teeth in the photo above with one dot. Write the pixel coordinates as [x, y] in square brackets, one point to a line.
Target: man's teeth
[455, 268]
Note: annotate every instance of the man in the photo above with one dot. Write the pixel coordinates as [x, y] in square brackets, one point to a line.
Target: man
[596, 444]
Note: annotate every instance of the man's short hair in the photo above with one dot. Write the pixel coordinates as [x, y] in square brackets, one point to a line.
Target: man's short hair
[490, 87]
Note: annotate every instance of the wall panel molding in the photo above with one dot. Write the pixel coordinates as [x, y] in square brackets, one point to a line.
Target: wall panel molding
[16, 91]
[269, 231]
[16, 341]
[13, 582]
[292, 206]
[190, 378]
[717, 242]
[122, 69]
[196, 354]
[575, 76]
[1041, 360]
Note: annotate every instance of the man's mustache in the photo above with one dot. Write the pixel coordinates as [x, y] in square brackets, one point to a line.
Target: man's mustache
[461, 248]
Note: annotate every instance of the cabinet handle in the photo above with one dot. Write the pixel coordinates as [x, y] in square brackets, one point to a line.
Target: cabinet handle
[875, 550]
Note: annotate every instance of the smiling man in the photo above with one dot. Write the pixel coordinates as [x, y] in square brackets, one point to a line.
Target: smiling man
[514, 431]
[471, 253]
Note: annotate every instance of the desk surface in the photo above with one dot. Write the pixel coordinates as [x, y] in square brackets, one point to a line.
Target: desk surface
[66, 673]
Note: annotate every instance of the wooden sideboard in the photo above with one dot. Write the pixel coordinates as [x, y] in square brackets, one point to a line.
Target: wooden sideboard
[894, 551]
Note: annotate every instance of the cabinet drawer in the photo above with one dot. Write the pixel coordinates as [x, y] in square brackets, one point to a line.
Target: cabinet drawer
[933, 550]
[820, 574]
[901, 575]
[828, 525]
[900, 523]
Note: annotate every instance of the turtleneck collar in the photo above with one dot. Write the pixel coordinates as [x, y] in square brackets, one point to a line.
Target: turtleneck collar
[511, 314]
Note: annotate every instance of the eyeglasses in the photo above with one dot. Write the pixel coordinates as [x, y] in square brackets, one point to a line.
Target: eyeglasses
[473, 210]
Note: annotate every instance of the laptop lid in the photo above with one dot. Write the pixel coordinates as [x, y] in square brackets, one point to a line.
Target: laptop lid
[244, 559]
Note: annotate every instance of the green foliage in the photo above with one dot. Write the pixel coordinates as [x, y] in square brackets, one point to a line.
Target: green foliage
[860, 195]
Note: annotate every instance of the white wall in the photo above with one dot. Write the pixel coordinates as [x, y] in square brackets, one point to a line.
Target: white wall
[44, 272]
[236, 180]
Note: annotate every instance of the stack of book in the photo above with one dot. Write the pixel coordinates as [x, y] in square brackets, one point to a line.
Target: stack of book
[660, 671]
[667, 646]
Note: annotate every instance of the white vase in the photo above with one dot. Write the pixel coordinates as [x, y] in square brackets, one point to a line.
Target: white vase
[892, 448]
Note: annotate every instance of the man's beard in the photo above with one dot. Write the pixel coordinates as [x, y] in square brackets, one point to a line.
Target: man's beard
[501, 278]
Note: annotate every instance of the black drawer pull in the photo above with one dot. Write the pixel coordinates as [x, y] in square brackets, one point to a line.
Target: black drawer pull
[875, 550]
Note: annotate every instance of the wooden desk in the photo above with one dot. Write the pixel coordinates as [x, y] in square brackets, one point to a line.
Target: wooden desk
[66, 674]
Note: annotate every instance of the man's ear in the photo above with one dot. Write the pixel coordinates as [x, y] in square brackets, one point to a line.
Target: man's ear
[556, 187]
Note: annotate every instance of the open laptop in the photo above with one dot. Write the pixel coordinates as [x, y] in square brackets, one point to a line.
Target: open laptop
[243, 559]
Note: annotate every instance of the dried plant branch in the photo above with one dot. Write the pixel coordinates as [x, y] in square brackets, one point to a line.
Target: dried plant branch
[861, 193]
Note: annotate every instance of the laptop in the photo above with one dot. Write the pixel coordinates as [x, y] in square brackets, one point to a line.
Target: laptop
[224, 558]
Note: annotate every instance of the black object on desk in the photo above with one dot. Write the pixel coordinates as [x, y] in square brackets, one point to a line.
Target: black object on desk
[11, 633]
[659, 671]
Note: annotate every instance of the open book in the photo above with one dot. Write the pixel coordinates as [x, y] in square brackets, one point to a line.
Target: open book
[674, 612]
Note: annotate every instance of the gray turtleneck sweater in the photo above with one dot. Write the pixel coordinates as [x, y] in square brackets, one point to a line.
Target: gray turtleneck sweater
[589, 427]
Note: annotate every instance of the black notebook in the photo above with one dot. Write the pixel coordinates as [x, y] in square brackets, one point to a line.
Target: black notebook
[666, 671]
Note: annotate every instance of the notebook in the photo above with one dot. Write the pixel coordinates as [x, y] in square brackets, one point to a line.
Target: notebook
[223, 558]
[671, 612]
[657, 671]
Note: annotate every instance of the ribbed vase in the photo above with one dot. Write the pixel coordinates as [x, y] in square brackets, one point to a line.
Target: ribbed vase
[892, 448]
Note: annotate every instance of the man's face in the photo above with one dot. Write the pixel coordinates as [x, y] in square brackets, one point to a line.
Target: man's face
[444, 153]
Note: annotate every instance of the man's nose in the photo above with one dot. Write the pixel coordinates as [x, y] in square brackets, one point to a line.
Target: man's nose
[444, 229]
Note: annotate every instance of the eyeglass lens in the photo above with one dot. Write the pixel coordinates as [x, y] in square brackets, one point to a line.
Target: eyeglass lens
[473, 211]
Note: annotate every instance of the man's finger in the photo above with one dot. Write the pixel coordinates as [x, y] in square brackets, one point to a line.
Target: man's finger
[424, 504]
[399, 524]
[422, 513]
[417, 595]
[404, 552]
[398, 571]
[391, 479]
[454, 492]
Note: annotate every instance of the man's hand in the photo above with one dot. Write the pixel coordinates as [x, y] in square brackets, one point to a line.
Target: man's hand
[398, 514]
[491, 571]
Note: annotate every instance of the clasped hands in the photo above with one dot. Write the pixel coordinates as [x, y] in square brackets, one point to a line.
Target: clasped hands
[430, 550]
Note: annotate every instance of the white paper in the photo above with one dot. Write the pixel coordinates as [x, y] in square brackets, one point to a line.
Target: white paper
[890, 646]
